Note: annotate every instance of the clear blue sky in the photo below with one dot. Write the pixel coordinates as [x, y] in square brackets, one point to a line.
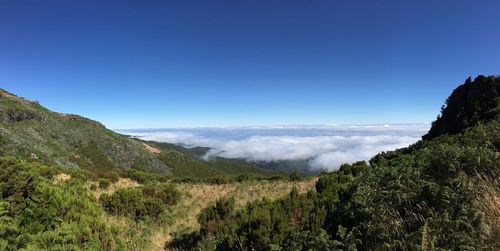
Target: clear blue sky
[132, 64]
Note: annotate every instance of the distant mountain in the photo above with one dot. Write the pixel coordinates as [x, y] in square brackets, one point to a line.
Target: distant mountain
[188, 162]
[30, 131]
[288, 166]
[468, 104]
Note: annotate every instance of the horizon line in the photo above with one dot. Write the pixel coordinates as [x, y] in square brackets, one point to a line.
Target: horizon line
[277, 126]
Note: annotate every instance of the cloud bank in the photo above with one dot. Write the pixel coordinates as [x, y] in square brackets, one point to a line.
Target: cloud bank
[326, 147]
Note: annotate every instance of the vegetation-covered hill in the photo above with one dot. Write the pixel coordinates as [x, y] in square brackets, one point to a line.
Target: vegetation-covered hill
[187, 163]
[30, 131]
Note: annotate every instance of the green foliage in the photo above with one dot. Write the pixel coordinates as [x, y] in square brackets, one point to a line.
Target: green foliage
[148, 203]
[37, 214]
[212, 219]
[228, 179]
[237, 166]
[295, 177]
[144, 177]
[261, 225]
[186, 162]
[287, 166]
[184, 166]
[104, 183]
[356, 169]
[31, 131]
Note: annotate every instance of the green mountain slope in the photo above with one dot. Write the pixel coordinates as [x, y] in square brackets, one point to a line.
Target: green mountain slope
[220, 166]
[30, 131]
[187, 162]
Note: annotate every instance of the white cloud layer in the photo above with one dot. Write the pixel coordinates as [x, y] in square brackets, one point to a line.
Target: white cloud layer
[326, 147]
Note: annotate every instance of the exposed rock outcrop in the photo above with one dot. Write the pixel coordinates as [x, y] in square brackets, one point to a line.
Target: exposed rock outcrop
[470, 103]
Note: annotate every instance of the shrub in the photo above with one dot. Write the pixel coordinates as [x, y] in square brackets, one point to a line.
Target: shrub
[147, 203]
[219, 180]
[243, 177]
[166, 193]
[104, 183]
[36, 214]
[295, 177]
[140, 176]
[111, 175]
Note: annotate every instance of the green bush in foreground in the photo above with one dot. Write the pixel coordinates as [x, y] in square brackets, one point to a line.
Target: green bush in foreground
[37, 214]
[104, 183]
[148, 203]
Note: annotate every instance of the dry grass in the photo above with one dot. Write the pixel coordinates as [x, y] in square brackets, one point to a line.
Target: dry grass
[61, 177]
[489, 202]
[151, 148]
[7, 94]
[195, 197]
[121, 183]
[134, 235]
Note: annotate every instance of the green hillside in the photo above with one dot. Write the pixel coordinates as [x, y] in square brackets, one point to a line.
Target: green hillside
[187, 162]
[30, 131]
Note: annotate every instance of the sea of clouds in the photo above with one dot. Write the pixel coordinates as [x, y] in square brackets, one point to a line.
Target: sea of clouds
[326, 147]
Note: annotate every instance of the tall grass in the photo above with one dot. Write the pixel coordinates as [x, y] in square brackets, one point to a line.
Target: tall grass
[489, 203]
[197, 196]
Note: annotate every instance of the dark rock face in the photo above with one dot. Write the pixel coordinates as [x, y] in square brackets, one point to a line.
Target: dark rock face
[17, 109]
[470, 103]
[13, 115]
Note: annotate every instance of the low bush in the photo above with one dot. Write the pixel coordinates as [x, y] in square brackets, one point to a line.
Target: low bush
[145, 177]
[37, 214]
[148, 203]
[104, 183]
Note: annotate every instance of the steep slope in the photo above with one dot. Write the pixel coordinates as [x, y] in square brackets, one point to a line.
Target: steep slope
[469, 103]
[30, 131]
